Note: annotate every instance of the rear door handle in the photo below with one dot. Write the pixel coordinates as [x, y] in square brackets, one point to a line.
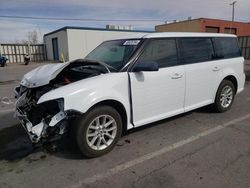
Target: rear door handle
[216, 69]
[176, 76]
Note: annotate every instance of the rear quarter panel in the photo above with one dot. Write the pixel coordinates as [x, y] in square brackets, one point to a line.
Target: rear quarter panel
[235, 67]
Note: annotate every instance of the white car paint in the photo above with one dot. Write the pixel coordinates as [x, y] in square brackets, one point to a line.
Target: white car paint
[202, 82]
[86, 93]
[155, 95]
[42, 75]
[185, 34]
[235, 67]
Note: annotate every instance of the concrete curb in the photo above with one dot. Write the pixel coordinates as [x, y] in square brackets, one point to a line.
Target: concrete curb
[7, 119]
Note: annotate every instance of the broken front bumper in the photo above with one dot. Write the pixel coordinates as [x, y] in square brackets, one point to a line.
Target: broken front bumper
[39, 131]
[44, 126]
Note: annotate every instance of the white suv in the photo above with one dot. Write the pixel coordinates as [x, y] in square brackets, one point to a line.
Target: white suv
[126, 83]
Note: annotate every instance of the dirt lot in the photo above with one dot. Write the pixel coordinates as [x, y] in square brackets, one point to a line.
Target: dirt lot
[197, 149]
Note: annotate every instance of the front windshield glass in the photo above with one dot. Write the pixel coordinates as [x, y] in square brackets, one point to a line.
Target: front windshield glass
[114, 53]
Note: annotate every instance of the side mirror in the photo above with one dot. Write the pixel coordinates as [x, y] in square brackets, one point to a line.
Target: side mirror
[146, 66]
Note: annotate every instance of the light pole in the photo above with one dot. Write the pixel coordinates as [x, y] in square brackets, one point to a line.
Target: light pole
[233, 3]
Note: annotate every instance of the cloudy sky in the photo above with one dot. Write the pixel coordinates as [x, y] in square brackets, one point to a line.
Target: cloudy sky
[158, 10]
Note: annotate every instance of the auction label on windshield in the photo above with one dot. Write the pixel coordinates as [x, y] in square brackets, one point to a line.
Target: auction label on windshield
[131, 42]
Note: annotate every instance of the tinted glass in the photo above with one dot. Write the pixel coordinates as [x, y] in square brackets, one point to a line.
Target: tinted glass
[226, 47]
[194, 50]
[114, 53]
[161, 51]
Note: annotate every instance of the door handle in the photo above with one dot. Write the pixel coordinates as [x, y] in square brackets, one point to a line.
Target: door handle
[176, 76]
[216, 69]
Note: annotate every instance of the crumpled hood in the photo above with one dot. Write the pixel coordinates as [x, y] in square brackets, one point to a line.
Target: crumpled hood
[42, 75]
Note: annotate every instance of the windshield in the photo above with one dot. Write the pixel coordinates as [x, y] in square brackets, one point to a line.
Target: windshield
[114, 53]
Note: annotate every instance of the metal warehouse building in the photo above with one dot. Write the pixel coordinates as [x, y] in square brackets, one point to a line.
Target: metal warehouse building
[71, 43]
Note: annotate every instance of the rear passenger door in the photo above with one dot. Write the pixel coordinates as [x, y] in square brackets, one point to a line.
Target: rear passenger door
[203, 73]
[159, 94]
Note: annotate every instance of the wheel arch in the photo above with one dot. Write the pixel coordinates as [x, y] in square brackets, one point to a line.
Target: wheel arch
[233, 80]
[119, 107]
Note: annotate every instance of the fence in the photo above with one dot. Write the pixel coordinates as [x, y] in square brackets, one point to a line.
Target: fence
[15, 52]
[245, 46]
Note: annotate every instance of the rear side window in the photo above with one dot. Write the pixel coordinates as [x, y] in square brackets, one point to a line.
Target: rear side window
[226, 47]
[161, 51]
[195, 50]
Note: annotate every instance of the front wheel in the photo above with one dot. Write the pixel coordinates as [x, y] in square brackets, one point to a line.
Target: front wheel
[224, 97]
[98, 131]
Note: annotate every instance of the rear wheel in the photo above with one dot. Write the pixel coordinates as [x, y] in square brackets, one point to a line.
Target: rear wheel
[98, 131]
[224, 97]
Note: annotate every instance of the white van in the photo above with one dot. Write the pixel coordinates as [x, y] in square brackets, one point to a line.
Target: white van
[127, 83]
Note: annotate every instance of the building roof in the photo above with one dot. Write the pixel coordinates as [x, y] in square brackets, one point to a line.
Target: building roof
[197, 19]
[95, 29]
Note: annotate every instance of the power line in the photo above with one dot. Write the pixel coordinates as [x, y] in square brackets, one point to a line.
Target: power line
[81, 19]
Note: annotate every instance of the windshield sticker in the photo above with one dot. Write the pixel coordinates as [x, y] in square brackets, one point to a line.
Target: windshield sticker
[131, 42]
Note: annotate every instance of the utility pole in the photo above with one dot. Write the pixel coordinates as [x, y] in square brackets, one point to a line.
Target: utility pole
[232, 4]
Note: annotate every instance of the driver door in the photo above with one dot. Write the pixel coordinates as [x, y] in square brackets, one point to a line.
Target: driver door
[159, 94]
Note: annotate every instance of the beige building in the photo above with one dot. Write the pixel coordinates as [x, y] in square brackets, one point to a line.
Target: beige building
[69, 43]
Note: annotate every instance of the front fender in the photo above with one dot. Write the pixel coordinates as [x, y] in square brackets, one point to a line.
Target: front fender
[84, 94]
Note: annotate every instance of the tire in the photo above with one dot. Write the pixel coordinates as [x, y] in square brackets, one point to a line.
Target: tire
[87, 131]
[222, 104]
[3, 64]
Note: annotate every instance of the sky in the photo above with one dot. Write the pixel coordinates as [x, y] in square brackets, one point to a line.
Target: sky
[12, 30]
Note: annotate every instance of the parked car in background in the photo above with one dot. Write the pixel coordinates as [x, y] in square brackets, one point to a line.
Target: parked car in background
[127, 83]
[3, 60]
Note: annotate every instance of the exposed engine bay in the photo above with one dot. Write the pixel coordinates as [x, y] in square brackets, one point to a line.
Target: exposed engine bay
[48, 121]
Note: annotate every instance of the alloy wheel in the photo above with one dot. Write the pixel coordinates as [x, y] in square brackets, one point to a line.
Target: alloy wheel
[226, 96]
[101, 132]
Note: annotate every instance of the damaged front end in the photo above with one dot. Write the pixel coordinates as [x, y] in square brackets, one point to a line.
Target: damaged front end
[42, 122]
[48, 121]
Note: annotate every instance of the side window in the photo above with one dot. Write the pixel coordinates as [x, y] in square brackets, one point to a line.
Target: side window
[195, 50]
[226, 47]
[161, 51]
